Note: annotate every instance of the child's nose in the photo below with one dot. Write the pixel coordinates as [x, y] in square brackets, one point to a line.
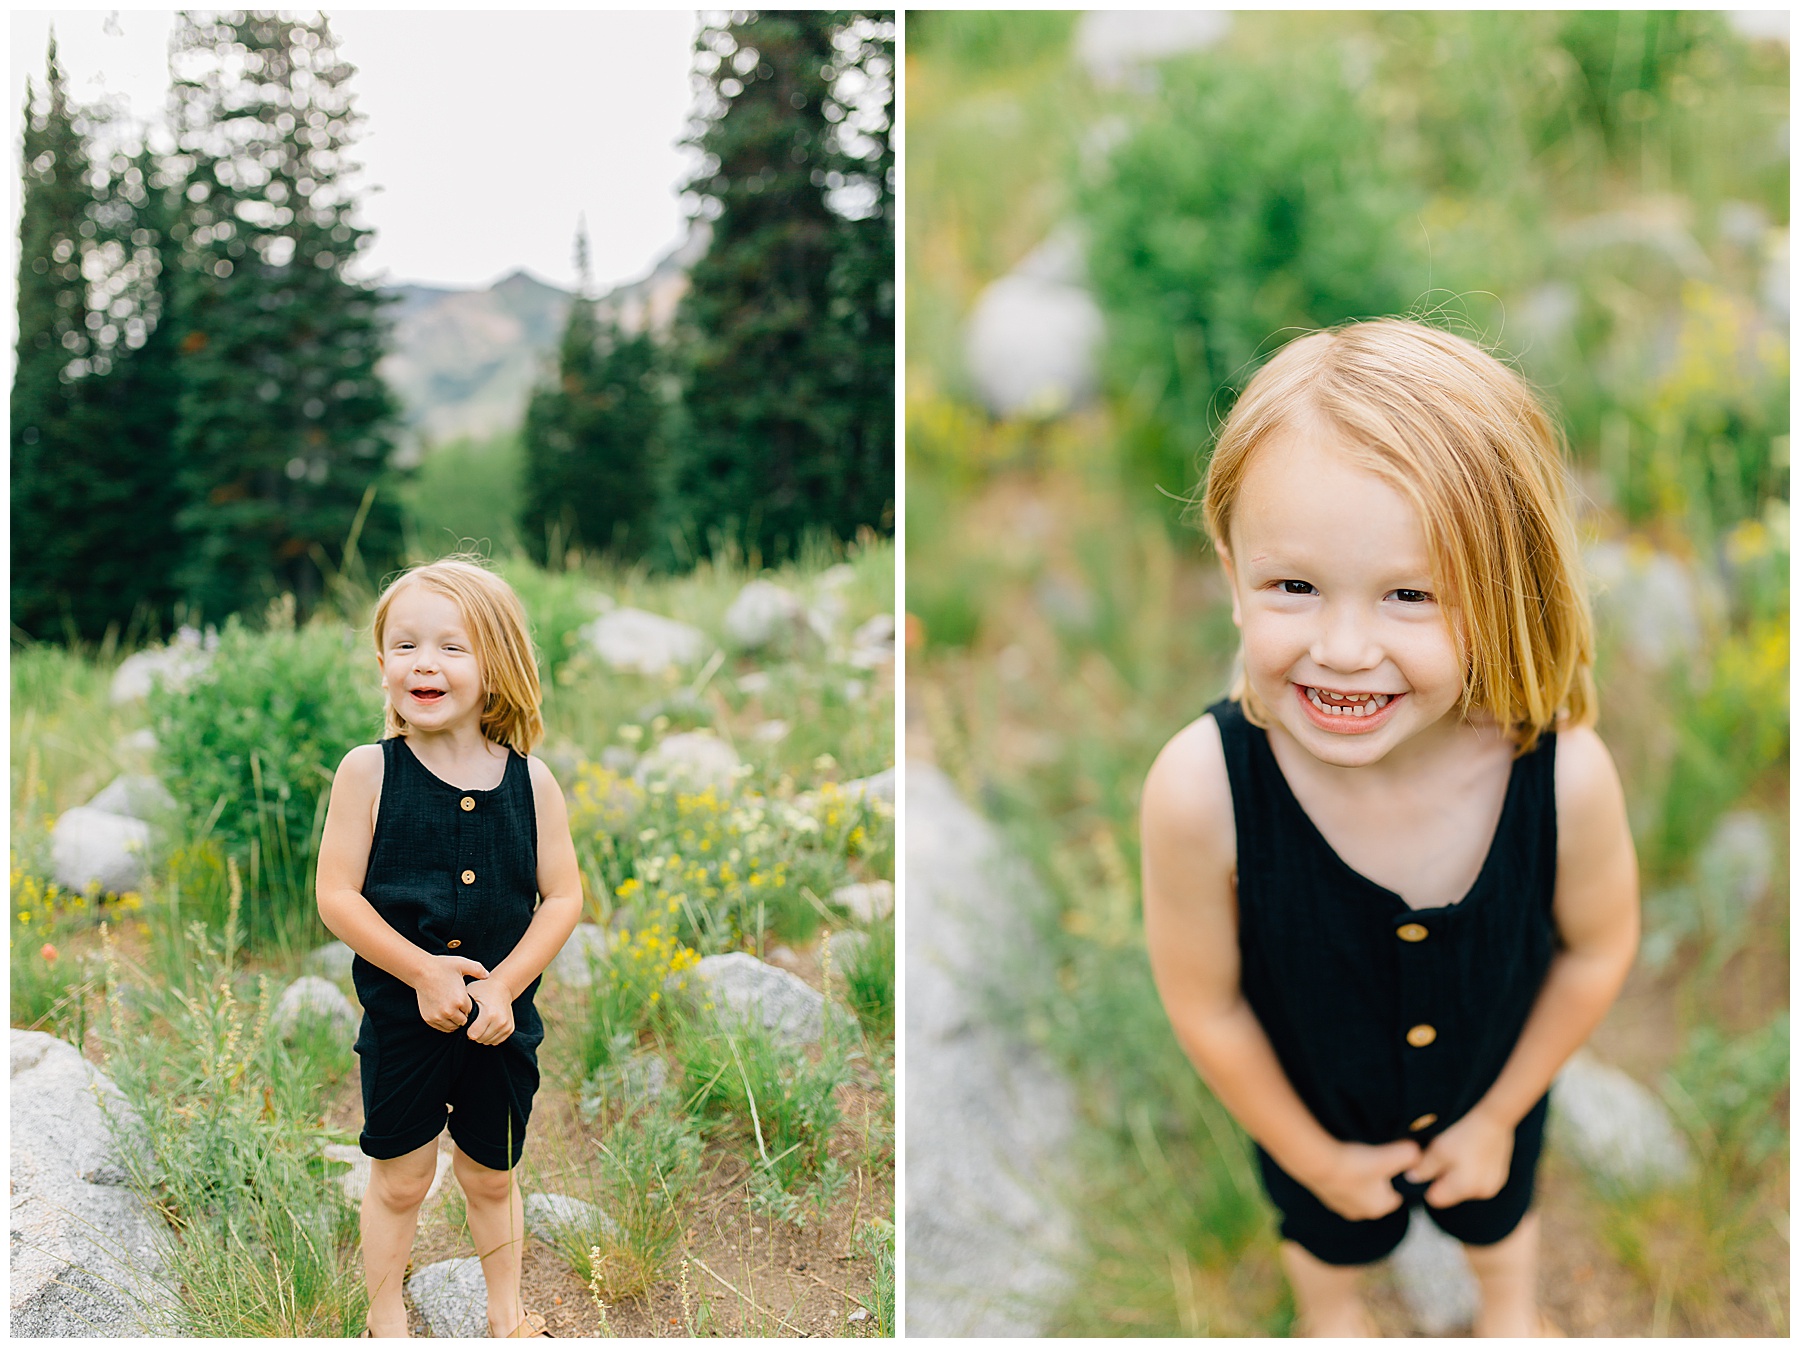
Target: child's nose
[1345, 641]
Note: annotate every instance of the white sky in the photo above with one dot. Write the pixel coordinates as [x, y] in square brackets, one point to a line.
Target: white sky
[488, 133]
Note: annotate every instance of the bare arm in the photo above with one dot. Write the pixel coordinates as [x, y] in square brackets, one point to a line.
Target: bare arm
[559, 909]
[1190, 922]
[343, 866]
[1596, 912]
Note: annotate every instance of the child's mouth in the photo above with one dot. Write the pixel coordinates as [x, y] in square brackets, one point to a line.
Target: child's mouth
[1346, 713]
[428, 694]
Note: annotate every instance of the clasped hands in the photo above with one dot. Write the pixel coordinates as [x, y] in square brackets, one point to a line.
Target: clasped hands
[445, 999]
[1468, 1160]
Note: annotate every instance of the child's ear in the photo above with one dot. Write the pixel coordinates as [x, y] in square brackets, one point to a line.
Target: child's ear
[1237, 614]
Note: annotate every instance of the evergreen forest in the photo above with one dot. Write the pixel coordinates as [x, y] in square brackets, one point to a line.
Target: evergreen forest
[198, 421]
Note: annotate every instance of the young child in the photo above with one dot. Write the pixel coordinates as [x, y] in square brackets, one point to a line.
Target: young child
[1388, 883]
[447, 865]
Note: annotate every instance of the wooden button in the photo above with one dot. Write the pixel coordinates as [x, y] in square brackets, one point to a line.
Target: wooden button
[1412, 931]
[1421, 1123]
[1420, 1035]
[468, 877]
[468, 802]
[454, 944]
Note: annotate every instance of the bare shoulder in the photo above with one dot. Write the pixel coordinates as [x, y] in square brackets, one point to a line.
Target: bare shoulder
[360, 772]
[1187, 798]
[543, 782]
[1590, 803]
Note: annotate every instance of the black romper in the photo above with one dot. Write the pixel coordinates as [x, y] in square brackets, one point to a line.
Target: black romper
[455, 872]
[1391, 1022]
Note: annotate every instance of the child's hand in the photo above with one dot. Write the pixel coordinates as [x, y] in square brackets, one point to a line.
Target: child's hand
[1357, 1182]
[1469, 1159]
[443, 1000]
[495, 1022]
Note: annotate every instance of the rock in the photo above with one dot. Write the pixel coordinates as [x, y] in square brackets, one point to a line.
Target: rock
[452, 1296]
[332, 960]
[764, 613]
[785, 957]
[866, 902]
[1034, 335]
[631, 639]
[846, 946]
[988, 1122]
[174, 666]
[356, 1182]
[136, 796]
[1615, 1127]
[90, 846]
[574, 963]
[638, 1079]
[140, 741]
[1434, 1279]
[1657, 603]
[859, 1316]
[695, 759]
[770, 732]
[878, 787]
[313, 997]
[755, 683]
[548, 1215]
[86, 1254]
[742, 987]
[1115, 44]
[1737, 864]
[872, 644]
[834, 578]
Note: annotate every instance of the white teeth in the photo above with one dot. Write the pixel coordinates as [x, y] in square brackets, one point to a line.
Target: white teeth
[1351, 704]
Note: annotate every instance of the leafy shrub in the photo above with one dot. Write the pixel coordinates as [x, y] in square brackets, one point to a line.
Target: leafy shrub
[869, 980]
[1248, 199]
[785, 1102]
[248, 750]
[628, 988]
[558, 604]
[646, 1170]
[876, 1240]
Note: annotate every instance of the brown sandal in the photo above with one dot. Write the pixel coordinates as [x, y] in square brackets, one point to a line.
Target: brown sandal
[532, 1326]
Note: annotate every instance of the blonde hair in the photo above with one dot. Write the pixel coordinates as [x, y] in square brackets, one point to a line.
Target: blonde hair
[503, 650]
[1464, 439]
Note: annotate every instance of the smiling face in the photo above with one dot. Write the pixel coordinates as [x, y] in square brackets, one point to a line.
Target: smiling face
[1346, 645]
[428, 666]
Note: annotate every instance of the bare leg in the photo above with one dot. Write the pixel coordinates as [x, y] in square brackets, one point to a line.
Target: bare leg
[390, 1217]
[497, 1223]
[1326, 1296]
[1507, 1272]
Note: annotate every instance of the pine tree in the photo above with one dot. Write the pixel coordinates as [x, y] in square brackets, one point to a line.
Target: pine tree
[93, 400]
[57, 203]
[592, 438]
[768, 448]
[285, 426]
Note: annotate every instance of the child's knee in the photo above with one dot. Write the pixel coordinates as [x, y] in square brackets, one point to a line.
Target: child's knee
[400, 1184]
[479, 1182]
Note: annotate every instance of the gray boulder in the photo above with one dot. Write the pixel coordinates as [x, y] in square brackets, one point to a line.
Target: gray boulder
[743, 988]
[695, 759]
[872, 644]
[755, 682]
[574, 963]
[315, 998]
[1615, 1127]
[86, 1260]
[988, 1121]
[878, 787]
[646, 643]
[332, 960]
[1658, 604]
[866, 902]
[549, 1215]
[174, 666]
[136, 796]
[764, 613]
[452, 1296]
[90, 846]
[1033, 338]
[1434, 1279]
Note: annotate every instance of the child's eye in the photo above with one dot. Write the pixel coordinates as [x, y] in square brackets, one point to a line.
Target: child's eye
[1296, 587]
[1413, 596]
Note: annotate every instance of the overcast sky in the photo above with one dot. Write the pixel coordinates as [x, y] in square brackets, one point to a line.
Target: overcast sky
[487, 133]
